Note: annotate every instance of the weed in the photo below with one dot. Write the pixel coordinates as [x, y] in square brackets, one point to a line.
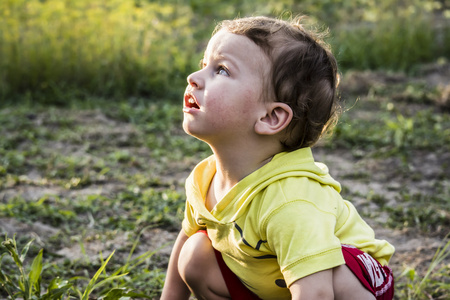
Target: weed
[42, 209]
[118, 47]
[28, 283]
[426, 213]
[401, 131]
[388, 30]
[56, 52]
[378, 199]
[435, 284]
[394, 132]
[149, 206]
[362, 134]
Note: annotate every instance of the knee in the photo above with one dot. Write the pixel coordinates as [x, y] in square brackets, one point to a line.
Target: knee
[194, 257]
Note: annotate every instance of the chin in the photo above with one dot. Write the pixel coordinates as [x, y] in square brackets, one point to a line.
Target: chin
[188, 129]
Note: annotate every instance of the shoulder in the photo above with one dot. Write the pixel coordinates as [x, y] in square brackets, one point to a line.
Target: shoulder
[299, 190]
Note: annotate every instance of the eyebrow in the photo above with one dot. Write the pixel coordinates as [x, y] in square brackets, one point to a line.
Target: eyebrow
[228, 59]
[221, 57]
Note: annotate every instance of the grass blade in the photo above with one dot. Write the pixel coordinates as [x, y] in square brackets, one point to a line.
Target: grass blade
[91, 283]
[439, 256]
[34, 277]
[106, 280]
[57, 289]
[24, 252]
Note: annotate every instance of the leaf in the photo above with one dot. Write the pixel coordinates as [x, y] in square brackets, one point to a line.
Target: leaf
[122, 294]
[34, 277]
[24, 252]
[56, 289]
[90, 286]
[7, 284]
[411, 274]
[106, 280]
[10, 245]
[116, 293]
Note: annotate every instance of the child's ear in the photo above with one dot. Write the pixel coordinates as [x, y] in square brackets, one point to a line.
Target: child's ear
[278, 117]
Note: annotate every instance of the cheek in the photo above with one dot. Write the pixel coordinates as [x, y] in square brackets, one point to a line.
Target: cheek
[234, 105]
[250, 99]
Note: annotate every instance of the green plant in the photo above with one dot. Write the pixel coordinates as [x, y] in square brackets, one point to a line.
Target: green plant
[385, 35]
[93, 174]
[92, 285]
[425, 212]
[61, 48]
[43, 208]
[401, 131]
[435, 284]
[56, 51]
[28, 283]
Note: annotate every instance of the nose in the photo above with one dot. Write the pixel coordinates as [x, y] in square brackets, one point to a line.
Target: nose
[195, 80]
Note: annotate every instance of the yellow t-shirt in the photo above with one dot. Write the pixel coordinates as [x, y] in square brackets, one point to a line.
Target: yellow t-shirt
[283, 222]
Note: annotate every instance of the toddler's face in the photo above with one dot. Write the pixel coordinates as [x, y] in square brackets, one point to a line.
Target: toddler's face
[224, 99]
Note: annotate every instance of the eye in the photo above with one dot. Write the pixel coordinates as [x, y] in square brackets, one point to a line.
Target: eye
[221, 70]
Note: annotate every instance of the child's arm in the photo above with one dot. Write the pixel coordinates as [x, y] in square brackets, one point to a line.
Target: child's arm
[174, 287]
[315, 286]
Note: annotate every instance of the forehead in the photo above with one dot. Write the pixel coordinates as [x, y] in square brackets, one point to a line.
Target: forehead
[237, 48]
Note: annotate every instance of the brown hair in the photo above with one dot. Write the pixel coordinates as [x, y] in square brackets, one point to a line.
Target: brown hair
[304, 74]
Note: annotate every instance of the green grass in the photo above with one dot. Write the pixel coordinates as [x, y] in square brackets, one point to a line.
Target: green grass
[56, 51]
[104, 178]
[435, 283]
[27, 281]
[390, 42]
[406, 119]
[65, 48]
[427, 213]
[102, 173]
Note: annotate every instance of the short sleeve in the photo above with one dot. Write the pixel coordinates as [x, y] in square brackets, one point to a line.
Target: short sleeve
[189, 224]
[302, 237]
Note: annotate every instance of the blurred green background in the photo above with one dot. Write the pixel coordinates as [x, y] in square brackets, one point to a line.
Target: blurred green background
[55, 50]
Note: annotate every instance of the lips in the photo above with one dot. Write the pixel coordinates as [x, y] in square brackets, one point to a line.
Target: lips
[190, 101]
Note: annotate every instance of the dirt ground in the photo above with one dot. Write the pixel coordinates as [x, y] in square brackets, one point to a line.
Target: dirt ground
[413, 249]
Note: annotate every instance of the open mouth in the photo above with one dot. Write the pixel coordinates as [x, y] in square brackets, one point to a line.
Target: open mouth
[190, 101]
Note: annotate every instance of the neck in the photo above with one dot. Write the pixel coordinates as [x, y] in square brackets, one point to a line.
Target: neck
[230, 169]
[233, 165]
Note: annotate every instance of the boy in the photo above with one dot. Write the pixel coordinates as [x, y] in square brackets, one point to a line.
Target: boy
[262, 219]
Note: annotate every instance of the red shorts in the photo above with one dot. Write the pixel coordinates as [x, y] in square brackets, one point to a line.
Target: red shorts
[376, 278]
